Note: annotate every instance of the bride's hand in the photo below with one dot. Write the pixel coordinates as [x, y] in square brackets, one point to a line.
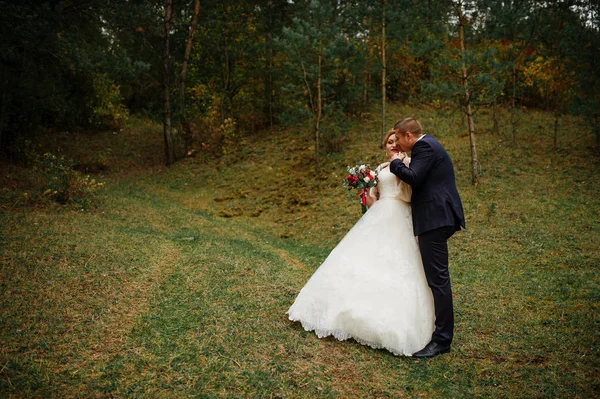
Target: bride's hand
[369, 198]
[400, 155]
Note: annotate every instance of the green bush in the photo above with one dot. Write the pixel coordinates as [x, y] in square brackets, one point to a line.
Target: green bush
[63, 184]
[107, 108]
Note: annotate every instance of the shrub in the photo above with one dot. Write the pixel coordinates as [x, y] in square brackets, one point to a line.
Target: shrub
[227, 135]
[107, 108]
[63, 184]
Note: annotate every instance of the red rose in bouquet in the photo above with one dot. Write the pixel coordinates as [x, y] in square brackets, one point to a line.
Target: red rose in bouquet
[361, 177]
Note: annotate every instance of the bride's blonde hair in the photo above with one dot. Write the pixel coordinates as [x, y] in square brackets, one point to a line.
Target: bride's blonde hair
[387, 136]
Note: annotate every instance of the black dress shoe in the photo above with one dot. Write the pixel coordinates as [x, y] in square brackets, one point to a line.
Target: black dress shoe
[432, 349]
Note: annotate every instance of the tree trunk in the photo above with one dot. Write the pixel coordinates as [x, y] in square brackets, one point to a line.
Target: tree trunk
[227, 80]
[474, 161]
[268, 77]
[366, 81]
[3, 110]
[365, 86]
[319, 114]
[183, 78]
[383, 71]
[596, 129]
[461, 34]
[513, 120]
[556, 117]
[167, 128]
[188, 50]
[496, 128]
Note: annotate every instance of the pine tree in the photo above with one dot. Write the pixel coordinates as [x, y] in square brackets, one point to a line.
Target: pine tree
[315, 45]
[465, 70]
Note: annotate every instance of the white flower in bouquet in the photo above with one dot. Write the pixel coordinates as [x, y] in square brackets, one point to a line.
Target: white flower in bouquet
[361, 177]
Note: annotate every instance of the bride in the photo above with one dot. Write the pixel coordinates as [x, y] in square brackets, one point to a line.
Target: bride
[372, 286]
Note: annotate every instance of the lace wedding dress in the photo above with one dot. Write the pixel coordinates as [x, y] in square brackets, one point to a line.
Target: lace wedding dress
[372, 286]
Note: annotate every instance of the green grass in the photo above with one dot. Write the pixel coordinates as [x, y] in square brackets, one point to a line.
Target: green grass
[177, 284]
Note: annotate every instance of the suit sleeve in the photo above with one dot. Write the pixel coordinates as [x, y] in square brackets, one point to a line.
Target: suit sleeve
[421, 162]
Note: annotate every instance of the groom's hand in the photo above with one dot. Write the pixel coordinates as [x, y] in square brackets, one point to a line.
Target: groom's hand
[399, 155]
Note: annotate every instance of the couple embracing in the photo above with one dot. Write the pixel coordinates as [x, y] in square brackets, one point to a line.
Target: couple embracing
[387, 284]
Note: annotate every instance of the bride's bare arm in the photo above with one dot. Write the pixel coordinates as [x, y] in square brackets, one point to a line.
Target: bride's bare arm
[372, 196]
[373, 192]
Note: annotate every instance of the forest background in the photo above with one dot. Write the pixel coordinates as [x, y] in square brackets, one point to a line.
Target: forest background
[145, 145]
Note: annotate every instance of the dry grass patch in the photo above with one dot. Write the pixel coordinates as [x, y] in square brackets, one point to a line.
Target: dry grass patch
[155, 294]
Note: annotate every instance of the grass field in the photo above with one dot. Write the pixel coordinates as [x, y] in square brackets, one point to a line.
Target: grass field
[176, 284]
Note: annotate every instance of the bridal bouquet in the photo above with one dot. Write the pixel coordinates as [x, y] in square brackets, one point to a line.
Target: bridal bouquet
[361, 177]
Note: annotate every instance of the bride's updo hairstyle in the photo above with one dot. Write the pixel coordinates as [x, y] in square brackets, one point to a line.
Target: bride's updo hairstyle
[409, 125]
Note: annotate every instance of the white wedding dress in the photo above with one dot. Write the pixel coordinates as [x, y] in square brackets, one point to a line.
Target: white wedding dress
[372, 286]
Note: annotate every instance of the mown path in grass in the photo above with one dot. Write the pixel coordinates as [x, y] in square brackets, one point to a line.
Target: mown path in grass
[148, 298]
[177, 284]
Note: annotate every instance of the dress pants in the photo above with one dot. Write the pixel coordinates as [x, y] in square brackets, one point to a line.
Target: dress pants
[434, 253]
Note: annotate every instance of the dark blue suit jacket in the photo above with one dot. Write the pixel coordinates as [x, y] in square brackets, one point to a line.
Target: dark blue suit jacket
[435, 200]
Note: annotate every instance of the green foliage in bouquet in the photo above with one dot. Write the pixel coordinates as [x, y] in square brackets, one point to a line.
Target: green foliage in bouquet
[361, 177]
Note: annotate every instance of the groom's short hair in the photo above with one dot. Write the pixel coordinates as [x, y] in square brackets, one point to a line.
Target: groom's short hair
[409, 125]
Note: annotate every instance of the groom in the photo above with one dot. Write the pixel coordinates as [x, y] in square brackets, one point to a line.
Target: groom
[437, 215]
